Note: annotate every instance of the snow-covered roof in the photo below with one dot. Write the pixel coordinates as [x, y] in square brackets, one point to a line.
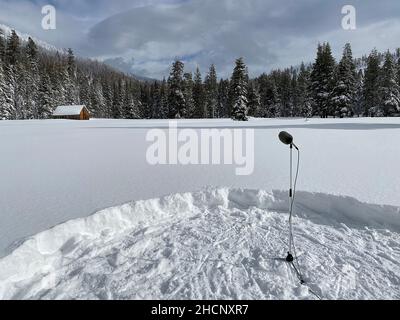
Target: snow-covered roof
[68, 110]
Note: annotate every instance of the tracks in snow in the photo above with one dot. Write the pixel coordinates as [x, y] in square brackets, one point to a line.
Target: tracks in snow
[219, 252]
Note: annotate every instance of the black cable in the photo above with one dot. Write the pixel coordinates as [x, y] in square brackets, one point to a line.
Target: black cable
[291, 214]
[296, 258]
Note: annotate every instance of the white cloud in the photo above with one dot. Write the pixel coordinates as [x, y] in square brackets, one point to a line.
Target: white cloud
[267, 33]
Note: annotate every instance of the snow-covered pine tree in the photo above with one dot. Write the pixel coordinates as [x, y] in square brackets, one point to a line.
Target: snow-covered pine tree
[211, 93]
[254, 100]
[359, 99]
[371, 85]
[2, 45]
[283, 79]
[188, 94]
[31, 81]
[153, 97]
[108, 99]
[176, 99]
[239, 84]
[71, 66]
[198, 95]
[389, 92]
[10, 94]
[398, 67]
[45, 96]
[303, 92]
[122, 99]
[270, 103]
[144, 96]
[3, 93]
[130, 107]
[97, 101]
[156, 102]
[116, 102]
[136, 104]
[60, 79]
[2, 77]
[343, 94]
[164, 109]
[13, 48]
[13, 107]
[70, 78]
[294, 93]
[85, 90]
[223, 109]
[321, 80]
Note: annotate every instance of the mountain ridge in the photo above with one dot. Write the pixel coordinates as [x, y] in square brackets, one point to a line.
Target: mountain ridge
[7, 30]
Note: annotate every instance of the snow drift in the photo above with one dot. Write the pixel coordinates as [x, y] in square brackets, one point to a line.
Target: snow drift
[215, 244]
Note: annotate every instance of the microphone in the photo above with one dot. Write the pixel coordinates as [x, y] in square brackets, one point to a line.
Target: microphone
[287, 138]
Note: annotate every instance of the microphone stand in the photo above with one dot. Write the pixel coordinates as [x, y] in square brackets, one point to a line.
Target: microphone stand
[290, 257]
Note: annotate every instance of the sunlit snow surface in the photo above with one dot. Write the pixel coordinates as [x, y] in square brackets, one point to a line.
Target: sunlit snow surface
[216, 243]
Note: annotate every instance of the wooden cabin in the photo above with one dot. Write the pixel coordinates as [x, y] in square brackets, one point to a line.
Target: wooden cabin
[71, 113]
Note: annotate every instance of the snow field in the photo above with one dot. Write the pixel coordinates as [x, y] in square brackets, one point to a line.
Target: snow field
[214, 244]
[55, 171]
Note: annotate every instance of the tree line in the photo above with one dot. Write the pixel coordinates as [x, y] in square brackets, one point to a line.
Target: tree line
[34, 81]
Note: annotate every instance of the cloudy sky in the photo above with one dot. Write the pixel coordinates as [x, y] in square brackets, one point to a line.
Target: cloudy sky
[145, 36]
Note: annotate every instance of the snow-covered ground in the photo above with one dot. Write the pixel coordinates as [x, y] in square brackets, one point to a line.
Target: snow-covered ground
[218, 243]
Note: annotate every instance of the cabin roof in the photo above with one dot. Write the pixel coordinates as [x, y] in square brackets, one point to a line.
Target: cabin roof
[68, 111]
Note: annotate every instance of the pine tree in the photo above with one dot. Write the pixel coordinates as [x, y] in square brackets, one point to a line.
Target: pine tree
[284, 81]
[13, 107]
[211, 93]
[303, 92]
[389, 90]
[254, 100]
[371, 85]
[85, 91]
[68, 87]
[130, 110]
[359, 100]
[176, 99]
[3, 94]
[15, 82]
[270, 103]
[223, 110]
[122, 99]
[239, 84]
[398, 68]
[2, 46]
[156, 107]
[108, 99]
[164, 110]
[116, 102]
[343, 95]
[188, 95]
[32, 79]
[146, 100]
[294, 94]
[3, 87]
[59, 83]
[97, 101]
[321, 80]
[71, 65]
[13, 49]
[198, 95]
[70, 79]
[45, 96]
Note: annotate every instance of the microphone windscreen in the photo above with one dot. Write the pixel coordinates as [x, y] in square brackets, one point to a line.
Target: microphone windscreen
[285, 137]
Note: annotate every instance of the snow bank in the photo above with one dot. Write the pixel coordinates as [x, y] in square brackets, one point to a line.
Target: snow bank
[162, 238]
